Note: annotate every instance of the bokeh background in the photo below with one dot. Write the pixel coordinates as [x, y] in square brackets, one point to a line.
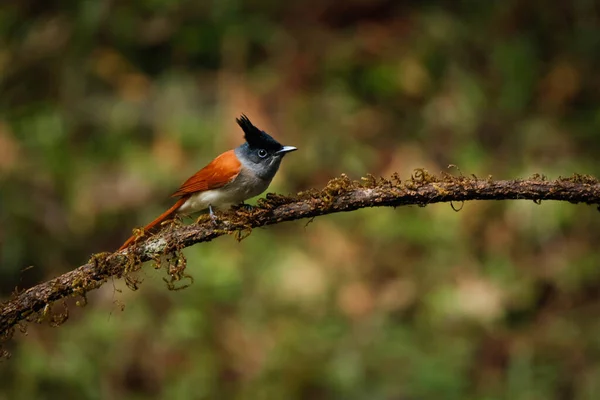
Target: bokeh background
[107, 106]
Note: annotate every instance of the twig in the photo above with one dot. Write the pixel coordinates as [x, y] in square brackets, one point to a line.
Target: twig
[341, 194]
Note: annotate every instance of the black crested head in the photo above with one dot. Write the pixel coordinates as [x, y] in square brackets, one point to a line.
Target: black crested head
[256, 138]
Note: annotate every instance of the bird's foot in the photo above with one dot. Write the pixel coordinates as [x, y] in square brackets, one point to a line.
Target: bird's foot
[244, 207]
[212, 214]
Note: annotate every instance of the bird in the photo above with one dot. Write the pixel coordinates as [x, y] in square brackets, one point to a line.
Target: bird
[230, 179]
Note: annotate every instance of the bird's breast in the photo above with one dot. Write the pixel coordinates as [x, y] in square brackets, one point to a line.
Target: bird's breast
[245, 186]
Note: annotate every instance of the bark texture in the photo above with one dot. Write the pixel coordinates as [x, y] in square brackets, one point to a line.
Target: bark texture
[340, 194]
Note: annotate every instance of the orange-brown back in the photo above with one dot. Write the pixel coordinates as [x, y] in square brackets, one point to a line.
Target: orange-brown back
[216, 174]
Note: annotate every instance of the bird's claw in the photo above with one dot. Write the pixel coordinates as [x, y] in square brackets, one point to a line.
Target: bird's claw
[244, 206]
[212, 215]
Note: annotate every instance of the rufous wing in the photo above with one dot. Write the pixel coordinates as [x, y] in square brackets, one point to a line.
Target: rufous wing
[216, 174]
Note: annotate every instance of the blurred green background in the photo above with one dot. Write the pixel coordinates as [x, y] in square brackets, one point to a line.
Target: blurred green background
[107, 106]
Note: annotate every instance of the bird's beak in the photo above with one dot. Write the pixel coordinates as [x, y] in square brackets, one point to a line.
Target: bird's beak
[285, 149]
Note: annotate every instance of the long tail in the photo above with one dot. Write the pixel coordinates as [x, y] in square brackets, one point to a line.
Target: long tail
[157, 221]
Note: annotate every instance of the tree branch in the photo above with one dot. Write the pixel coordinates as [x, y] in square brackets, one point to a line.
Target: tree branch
[340, 194]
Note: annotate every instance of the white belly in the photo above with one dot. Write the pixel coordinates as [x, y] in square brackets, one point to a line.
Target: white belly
[241, 189]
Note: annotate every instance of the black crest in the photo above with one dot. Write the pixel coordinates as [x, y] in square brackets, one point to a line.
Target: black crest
[255, 137]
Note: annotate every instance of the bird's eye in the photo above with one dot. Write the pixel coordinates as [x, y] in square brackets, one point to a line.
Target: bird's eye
[262, 153]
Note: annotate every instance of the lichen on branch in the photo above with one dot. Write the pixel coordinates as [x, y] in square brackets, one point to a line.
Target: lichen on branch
[339, 195]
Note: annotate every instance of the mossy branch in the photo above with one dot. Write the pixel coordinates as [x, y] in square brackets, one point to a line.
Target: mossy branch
[341, 194]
